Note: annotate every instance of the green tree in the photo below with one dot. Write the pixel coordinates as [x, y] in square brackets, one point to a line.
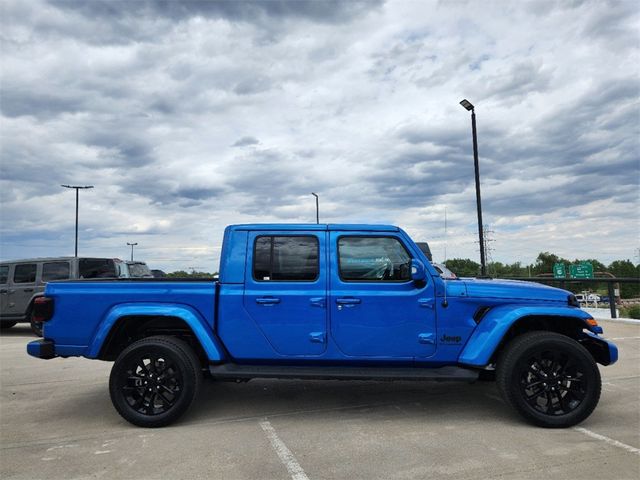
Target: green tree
[463, 267]
[626, 269]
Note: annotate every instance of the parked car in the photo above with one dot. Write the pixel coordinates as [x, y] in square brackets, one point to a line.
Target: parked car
[132, 269]
[444, 271]
[21, 281]
[593, 297]
[329, 302]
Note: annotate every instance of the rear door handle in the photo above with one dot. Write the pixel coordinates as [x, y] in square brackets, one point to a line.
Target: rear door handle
[4, 290]
[348, 301]
[28, 290]
[267, 301]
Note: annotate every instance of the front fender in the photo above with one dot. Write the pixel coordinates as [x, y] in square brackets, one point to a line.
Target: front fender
[204, 334]
[489, 333]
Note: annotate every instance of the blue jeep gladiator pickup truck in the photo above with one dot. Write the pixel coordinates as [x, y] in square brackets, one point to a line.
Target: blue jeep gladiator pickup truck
[326, 302]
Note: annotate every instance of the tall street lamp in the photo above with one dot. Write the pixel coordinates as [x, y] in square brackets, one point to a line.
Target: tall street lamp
[317, 208]
[467, 104]
[77, 189]
[132, 245]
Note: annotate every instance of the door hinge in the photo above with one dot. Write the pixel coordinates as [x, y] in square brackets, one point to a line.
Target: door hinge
[426, 338]
[426, 302]
[316, 337]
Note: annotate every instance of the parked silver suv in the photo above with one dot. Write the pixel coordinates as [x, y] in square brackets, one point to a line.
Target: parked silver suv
[21, 281]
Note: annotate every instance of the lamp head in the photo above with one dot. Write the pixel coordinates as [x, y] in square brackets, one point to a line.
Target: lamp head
[467, 104]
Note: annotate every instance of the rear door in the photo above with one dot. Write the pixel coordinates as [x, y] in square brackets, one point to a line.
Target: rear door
[286, 290]
[24, 284]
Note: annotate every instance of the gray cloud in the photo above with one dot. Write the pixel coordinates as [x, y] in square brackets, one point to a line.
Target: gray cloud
[152, 101]
[245, 141]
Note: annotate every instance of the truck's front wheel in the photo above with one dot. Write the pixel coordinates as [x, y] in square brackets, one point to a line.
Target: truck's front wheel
[154, 381]
[550, 379]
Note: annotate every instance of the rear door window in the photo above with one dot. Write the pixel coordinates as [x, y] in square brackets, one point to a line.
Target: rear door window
[97, 268]
[25, 273]
[55, 271]
[286, 259]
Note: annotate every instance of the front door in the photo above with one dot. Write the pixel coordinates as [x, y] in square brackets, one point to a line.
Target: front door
[376, 309]
[286, 290]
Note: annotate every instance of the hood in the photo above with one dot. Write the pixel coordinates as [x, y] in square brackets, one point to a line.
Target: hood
[514, 289]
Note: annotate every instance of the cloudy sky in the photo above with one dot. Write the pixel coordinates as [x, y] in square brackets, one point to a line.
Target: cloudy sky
[190, 116]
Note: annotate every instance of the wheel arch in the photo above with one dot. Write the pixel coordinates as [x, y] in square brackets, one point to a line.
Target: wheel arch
[502, 324]
[125, 324]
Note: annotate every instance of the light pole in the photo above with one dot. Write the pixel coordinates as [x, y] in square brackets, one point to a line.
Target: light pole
[317, 208]
[77, 188]
[132, 245]
[467, 104]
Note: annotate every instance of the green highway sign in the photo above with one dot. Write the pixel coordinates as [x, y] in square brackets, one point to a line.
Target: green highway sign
[559, 270]
[581, 270]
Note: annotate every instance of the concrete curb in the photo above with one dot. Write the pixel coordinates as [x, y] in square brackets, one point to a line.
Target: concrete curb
[620, 320]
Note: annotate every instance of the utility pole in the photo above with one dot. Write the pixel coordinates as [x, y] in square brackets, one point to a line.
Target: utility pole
[132, 245]
[317, 207]
[77, 189]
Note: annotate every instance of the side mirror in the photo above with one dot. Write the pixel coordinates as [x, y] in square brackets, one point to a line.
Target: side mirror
[418, 272]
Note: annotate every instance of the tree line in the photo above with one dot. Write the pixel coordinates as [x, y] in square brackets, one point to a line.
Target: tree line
[464, 267]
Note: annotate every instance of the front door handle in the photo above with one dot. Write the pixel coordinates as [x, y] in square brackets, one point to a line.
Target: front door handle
[28, 290]
[4, 290]
[267, 301]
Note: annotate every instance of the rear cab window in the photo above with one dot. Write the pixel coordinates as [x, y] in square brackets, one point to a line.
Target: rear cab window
[97, 268]
[25, 273]
[55, 271]
[373, 259]
[279, 258]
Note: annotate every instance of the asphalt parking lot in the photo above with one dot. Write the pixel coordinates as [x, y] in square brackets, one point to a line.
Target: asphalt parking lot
[56, 421]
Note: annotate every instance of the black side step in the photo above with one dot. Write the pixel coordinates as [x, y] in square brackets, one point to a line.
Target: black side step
[230, 370]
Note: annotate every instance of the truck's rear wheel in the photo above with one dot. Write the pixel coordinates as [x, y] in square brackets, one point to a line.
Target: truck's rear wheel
[550, 379]
[154, 381]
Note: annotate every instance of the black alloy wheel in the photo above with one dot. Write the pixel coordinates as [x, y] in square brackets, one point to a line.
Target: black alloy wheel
[552, 382]
[155, 380]
[550, 379]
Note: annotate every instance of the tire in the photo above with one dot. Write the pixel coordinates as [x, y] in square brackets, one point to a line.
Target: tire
[550, 379]
[154, 381]
[6, 325]
[36, 327]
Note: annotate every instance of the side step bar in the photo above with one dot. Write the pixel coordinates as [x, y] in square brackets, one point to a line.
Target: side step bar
[235, 371]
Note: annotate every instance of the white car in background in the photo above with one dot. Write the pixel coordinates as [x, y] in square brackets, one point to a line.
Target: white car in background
[131, 269]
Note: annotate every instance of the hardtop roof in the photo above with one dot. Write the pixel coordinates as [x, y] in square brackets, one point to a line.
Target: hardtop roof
[315, 226]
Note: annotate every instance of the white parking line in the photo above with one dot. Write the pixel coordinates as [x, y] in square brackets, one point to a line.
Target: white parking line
[610, 441]
[293, 467]
[624, 338]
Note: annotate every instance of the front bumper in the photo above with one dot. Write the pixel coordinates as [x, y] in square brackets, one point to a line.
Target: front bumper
[44, 349]
[603, 351]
